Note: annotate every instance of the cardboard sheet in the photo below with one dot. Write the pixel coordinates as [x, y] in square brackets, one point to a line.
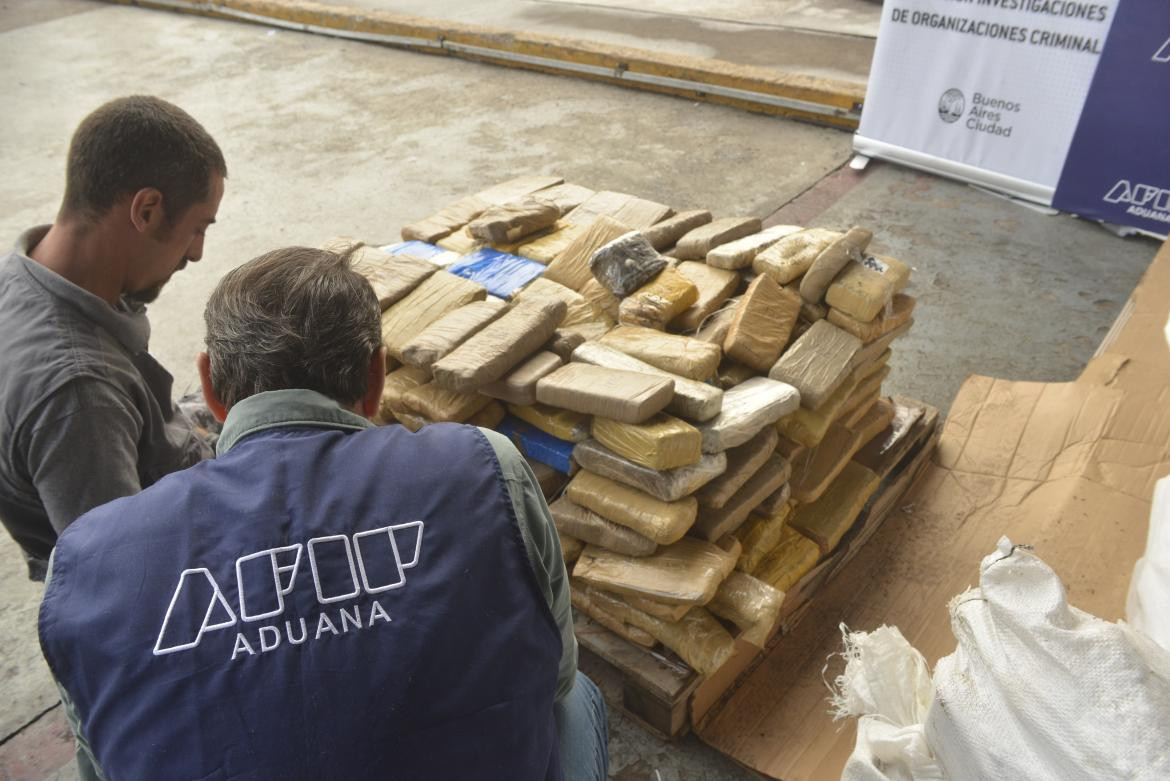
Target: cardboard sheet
[628, 397]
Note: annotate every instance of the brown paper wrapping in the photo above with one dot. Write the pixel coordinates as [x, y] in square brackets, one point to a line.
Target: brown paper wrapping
[761, 324]
[699, 639]
[437, 295]
[683, 355]
[899, 313]
[687, 572]
[584, 524]
[816, 468]
[571, 266]
[519, 385]
[712, 524]
[864, 288]
[629, 397]
[788, 259]
[659, 301]
[698, 242]
[449, 219]
[826, 520]
[742, 462]
[391, 276]
[749, 603]
[663, 234]
[667, 485]
[741, 252]
[789, 561]
[661, 522]
[578, 312]
[759, 534]
[692, 399]
[503, 344]
[511, 222]
[817, 363]
[662, 442]
[580, 599]
[398, 382]
[829, 263]
[451, 330]
[657, 609]
[560, 423]
[439, 404]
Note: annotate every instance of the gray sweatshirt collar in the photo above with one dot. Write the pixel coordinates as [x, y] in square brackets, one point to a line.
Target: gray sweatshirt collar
[274, 409]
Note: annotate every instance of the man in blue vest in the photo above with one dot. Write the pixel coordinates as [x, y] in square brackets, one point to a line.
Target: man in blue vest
[325, 599]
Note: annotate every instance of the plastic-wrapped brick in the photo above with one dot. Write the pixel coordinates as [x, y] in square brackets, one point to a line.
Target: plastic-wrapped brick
[747, 409]
[538, 445]
[692, 399]
[712, 524]
[659, 301]
[511, 222]
[662, 442]
[502, 345]
[501, 273]
[759, 534]
[864, 288]
[792, 558]
[667, 485]
[664, 234]
[788, 259]
[629, 397]
[437, 295]
[439, 404]
[687, 572]
[519, 385]
[449, 331]
[626, 263]
[826, 520]
[683, 355]
[697, 243]
[761, 324]
[742, 462]
[559, 423]
[584, 524]
[897, 314]
[829, 263]
[714, 285]
[750, 604]
[817, 363]
[662, 522]
[741, 252]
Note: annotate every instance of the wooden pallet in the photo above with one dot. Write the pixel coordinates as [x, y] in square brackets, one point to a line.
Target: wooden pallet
[667, 697]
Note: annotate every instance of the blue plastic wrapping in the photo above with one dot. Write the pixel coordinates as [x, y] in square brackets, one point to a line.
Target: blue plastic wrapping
[502, 274]
[538, 445]
[419, 249]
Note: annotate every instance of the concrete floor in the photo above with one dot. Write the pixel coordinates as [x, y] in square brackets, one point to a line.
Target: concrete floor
[326, 137]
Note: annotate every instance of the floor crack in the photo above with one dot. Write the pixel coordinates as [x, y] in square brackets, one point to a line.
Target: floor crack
[34, 720]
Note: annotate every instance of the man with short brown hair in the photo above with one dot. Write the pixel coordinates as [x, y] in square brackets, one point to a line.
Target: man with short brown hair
[86, 413]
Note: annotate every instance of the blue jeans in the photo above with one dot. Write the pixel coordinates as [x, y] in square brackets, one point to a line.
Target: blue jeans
[581, 731]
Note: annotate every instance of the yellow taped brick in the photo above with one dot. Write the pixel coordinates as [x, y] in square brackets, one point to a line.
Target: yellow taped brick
[789, 561]
[897, 315]
[662, 442]
[659, 301]
[661, 522]
[826, 520]
[863, 289]
[560, 423]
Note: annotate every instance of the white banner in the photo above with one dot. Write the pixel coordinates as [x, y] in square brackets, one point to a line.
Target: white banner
[989, 91]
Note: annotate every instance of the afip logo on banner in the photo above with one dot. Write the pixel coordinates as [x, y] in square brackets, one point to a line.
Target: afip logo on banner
[1118, 166]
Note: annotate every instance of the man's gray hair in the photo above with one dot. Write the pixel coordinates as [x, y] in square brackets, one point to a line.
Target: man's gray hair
[292, 318]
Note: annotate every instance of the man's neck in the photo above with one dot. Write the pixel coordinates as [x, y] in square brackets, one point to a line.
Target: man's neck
[89, 256]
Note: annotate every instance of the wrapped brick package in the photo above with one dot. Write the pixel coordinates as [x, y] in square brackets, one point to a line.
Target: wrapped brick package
[547, 245]
[659, 301]
[578, 310]
[687, 572]
[683, 355]
[714, 286]
[759, 535]
[814, 471]
[628, 397]
[761, 324]
[663, 235]
[571, 549]
[657, 609]
[490, 354]
[698, 242]
[747, 409]
[749, 603]
[661, 522]
[460, 242]
[716, 325]
[829, 263]
[713, 524]
[588, 526]
[636, 635]
[667, 485]
[489, 417]
[732, 373]
[640, 213]
[741, 252]
[788, 259]
[873, 422]
[662, 442]
[437, 295]
[742, 462]
[692, 400]
[446, 221]
[537, 445]
[898, 314]
[817, 363]
[511, 222]
[826, 520]
[519, 385]
[698, 638]
[563, 343]
[501, 273]
[391, 276]
[601, 299]
[626, 263]
[864, 288]
[559, 423]
[516, 188]
[566, 196]
[605, 203]
[571, 267]
[807, 427]
[437, 404]
[449, 331]
[398, 382]
[778, 499]
[551, 481]
[789, 561]
[873, 350]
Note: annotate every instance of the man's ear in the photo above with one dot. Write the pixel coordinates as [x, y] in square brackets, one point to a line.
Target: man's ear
[146, 210]
[375, 382]
[210, 397]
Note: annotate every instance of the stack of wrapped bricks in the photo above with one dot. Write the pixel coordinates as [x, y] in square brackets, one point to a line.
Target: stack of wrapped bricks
[702, 385]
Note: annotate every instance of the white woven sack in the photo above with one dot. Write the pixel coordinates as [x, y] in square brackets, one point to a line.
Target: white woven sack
[1038, 689]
